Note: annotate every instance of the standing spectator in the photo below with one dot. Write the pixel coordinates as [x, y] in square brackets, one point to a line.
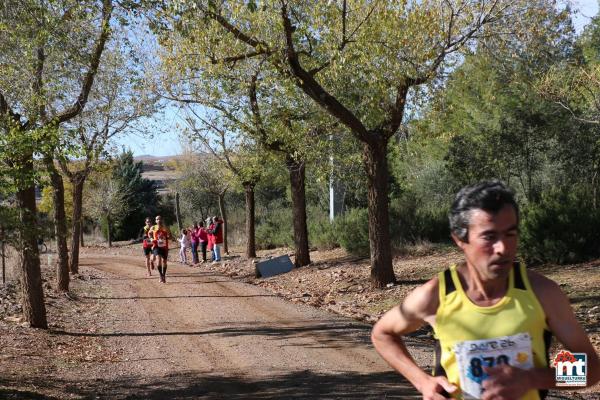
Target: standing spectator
[184, 242]
[194, 240]
[203, 239]
[211, 237]
[217, 232]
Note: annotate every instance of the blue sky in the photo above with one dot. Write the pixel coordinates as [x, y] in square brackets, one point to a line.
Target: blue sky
[169, 143]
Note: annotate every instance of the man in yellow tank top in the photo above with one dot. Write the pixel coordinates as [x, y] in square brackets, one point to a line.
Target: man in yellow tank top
[492, 318]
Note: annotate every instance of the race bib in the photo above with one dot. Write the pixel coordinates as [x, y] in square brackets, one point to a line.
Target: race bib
[161, 242]
[473, 355]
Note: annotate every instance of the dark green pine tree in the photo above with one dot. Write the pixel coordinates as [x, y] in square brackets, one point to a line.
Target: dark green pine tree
[142, 196]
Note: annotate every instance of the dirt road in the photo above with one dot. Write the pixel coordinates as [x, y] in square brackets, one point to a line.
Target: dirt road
[202, 335]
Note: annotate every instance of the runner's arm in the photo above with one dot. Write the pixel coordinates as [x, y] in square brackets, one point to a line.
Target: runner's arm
[564, 325]
[418, 307]
[508, 382]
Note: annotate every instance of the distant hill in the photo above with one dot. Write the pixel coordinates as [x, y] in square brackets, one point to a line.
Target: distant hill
[156, 159]
[154, 168]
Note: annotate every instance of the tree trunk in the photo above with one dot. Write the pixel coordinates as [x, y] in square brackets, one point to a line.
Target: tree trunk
[34, 309]
[375, 160]
[250, 232]
[77, 182]
[60, 228]
[178, 212]
[297, 185]
[2, 248]
[108, 233]
[81, 242]
[223, 212]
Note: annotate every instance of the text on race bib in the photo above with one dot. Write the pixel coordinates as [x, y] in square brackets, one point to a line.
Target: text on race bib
[473, 355]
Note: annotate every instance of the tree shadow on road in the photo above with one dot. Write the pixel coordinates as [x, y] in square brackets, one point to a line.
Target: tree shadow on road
[299, 385]
[329, 334]
[294, 385]
[175, 297]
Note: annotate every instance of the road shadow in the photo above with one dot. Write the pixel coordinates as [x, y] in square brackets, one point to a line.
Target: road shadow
[174, 297]
[401, 282]
[323, 334]
[294, 385]
[9, 394]
[298, 385]
[593, 299]
[155, 276]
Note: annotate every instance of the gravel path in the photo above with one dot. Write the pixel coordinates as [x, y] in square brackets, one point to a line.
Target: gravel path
[202, 335]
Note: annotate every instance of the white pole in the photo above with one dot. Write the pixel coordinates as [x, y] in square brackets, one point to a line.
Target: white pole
[331, 191]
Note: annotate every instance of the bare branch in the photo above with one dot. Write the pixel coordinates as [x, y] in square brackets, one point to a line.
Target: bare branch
[88, 81]
[38, 82]
[237, 32]
[234, 59]
[313, 89]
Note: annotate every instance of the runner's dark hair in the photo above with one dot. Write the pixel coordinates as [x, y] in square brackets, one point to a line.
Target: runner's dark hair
[490, 196]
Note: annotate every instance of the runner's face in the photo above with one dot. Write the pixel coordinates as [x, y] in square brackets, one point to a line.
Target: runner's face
[493, 239]
[159, 221]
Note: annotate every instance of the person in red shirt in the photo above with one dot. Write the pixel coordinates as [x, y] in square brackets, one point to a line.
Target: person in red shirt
[211, 237]
[147, 239]
[217, 232]
[160, 247]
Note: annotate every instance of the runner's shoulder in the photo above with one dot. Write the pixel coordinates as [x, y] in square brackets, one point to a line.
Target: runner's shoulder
[424, 300]
[546, 290]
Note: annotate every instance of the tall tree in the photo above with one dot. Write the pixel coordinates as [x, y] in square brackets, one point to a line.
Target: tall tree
[237, 154]
[107, 202]
[37, 91]
[250, 101]
[142, 197]
[357, 60]
[574, 83]
[118, 102]
[197, 202]
[207, 173]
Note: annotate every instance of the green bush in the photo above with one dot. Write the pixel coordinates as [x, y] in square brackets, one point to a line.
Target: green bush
[410, 222]
[275, 229]
[321, 232]
[561, 228]
[352, 231]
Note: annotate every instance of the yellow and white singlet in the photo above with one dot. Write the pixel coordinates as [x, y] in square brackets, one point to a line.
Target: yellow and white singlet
[469, 336]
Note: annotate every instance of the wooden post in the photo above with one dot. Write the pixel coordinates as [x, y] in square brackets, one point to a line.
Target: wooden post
[3, 256]
[177, 212]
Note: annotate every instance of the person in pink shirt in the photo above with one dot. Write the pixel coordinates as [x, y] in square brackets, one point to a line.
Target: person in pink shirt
[194, 239]
[202, 239]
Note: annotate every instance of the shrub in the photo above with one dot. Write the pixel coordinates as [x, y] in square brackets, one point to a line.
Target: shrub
[275, 229]
[561, 228]
[322, 233]
[410, 222]
[352, 231]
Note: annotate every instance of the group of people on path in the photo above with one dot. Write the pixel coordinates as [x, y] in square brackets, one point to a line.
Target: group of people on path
[201, 236]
